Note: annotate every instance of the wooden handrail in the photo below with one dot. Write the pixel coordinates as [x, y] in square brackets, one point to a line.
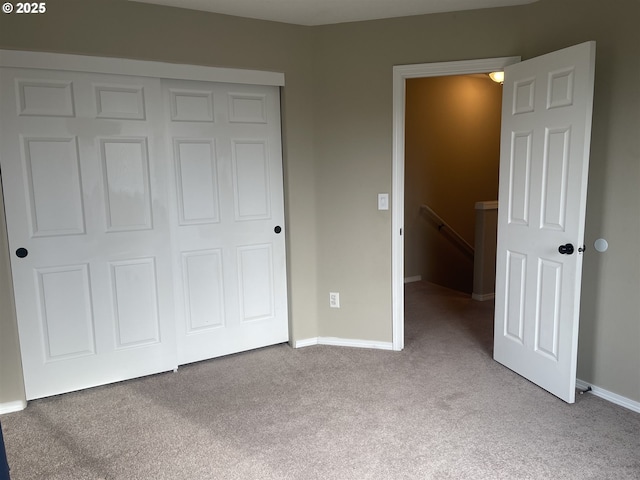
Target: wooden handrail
[445, 228]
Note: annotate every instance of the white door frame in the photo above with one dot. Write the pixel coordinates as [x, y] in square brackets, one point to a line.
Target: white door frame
[400, 74]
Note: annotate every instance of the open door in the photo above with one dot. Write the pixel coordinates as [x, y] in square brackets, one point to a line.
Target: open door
[544, 159]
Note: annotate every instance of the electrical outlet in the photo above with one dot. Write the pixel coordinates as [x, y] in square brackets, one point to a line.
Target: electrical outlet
[334, 299]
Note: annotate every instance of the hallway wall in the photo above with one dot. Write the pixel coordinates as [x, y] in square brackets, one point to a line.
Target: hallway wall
[452, 154]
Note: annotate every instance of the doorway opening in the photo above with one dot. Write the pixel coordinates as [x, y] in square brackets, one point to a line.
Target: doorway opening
[401, 75]
[452, 157]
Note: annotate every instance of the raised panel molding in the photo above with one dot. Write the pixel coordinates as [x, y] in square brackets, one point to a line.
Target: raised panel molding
[548, 308]
[524, 96]
[64, 295]
[191, 106]
[555, 178]
[197, 181]
[520, 181]
[560, 88]
[119, 102]
[48, 98]
[514, 309]
[125, 165]
[203, 284]
[54, 186]
[251, 179]
[247, 108]
[255, 282]
[135, 302]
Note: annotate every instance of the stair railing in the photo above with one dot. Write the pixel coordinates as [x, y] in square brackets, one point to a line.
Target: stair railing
[448, 231]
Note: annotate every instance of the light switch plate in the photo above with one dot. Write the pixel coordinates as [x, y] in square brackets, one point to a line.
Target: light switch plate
[334, 299]
[383, 201]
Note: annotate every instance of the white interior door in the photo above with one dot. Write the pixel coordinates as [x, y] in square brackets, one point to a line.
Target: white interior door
[230, 280]
[85, 187]
[544, 158]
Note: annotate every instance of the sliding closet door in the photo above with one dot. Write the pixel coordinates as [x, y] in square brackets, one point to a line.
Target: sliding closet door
[145, 220]
[229, 234]
[85, 183]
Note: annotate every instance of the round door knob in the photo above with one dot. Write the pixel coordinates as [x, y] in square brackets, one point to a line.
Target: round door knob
[566, 249]
[22, 252]
[278, 229]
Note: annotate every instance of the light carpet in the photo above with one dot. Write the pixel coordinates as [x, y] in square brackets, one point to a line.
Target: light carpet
[440, 409]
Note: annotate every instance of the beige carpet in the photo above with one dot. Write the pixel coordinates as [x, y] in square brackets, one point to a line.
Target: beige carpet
[441, 409]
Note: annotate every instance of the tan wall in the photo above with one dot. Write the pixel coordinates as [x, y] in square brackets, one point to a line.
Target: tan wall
[452, 154]
[338, 133]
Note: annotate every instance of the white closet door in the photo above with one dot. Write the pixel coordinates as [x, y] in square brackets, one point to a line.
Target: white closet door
[229, 217]
[85, 189]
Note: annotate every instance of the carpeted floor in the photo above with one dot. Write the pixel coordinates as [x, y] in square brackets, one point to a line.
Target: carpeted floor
[441, 409]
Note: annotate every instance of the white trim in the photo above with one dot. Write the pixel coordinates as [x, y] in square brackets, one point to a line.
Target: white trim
[11, 407]
[416, 278]
[490, 205]
[609, 396]
[307, 342]
[397, 212]
[343, 342]
[348, 342]
[138, 68]
[482, 297]
[400, 74]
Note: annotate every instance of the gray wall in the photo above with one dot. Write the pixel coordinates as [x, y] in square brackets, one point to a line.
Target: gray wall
[11, 384]
[337, 125]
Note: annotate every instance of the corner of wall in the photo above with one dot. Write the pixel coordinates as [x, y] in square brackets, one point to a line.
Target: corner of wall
[12, 396]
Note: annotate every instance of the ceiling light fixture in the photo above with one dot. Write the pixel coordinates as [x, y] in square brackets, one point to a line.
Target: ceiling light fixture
[497, 77]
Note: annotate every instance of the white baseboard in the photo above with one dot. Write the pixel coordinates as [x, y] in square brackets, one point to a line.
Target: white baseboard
[10, 407]
[343, 342]
[481, 297]
[609, 396]
[307, 342]
[416, 278]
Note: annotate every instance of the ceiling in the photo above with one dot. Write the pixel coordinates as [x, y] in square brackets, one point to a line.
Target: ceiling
[324, 12]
